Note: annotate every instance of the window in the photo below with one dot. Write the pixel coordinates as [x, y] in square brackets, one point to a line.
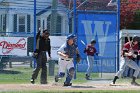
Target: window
[58, 27]
[43, 24]
[21, 23]
[3, 23]
[58, 24]
[49, 23]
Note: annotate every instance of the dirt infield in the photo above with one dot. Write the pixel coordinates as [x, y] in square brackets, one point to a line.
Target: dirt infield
[60, 87]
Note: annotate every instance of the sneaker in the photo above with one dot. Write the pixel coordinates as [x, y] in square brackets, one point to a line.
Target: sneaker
[88, 77]
[67, 84]
[135, 84]
[32, 81]
[56, 78]
[112, 84]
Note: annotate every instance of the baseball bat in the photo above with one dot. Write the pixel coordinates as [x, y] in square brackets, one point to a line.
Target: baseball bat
[128, 37]
[83, 42]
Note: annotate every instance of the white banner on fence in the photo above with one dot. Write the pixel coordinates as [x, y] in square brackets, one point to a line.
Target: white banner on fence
[56, 42]
[13, 46]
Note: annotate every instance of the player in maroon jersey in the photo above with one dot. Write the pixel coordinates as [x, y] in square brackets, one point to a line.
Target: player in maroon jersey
[128, 58]
[90, 50]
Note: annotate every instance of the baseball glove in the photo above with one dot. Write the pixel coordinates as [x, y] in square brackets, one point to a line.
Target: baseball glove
[78, 58]
[138, 57]
[35, 54]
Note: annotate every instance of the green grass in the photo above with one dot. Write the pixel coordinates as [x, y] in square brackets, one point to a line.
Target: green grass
[18, 75]
[15, 75]
[126, 80]
[22, 75]
[80, 77]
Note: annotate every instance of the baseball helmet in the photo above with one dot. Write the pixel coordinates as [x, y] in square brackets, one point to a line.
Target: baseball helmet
[136, 38]
[93, 41]
[71, 36]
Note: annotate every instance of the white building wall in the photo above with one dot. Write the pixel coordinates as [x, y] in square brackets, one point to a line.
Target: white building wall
[32, 23]
[130, 33]
[11, 10]
[64, 20]
[9, 27]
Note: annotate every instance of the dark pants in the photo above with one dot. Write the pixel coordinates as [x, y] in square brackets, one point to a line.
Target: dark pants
[70, 74]
[41, 64]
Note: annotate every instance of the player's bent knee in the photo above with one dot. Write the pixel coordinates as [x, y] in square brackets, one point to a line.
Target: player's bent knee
[71, 71]
[61, 74]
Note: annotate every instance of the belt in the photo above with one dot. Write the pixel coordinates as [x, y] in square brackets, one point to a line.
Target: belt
[90, 55]
[43, 51]
[64, 59]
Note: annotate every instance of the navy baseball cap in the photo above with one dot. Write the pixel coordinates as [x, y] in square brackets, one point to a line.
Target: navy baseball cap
[71, 36]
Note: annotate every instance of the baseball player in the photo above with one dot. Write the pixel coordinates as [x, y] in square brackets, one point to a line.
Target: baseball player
[67, 52]
[128, 59]
[90, 50]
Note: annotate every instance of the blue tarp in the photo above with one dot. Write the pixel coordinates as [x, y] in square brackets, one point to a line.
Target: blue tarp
[102, 28]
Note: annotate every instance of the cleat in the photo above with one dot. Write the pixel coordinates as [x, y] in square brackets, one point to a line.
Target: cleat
[135, 84]
[67, 84]
[88, 77]
[32, 81]
[112, 84]
[57, 78]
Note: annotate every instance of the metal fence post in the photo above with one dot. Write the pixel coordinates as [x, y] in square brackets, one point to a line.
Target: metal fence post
[51, 67]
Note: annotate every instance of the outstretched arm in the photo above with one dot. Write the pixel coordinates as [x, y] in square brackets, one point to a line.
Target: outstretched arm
[38, 34]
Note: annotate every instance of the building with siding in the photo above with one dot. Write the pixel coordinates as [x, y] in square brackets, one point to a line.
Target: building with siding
[17, 17]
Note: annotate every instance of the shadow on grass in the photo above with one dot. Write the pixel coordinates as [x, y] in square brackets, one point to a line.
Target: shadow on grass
[82, 87]
[102, 79]
[9, 72]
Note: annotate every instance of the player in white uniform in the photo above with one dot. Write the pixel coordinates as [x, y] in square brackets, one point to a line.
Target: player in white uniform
[67, 52]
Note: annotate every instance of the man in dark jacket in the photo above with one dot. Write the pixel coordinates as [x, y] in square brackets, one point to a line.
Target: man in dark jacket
[42, 46]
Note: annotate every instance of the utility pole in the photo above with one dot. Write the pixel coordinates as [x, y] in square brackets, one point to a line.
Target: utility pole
[54, 17]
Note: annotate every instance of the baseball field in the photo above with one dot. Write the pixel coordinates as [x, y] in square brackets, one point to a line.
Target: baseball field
[17, 80]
